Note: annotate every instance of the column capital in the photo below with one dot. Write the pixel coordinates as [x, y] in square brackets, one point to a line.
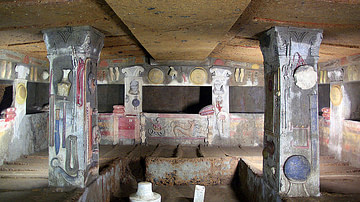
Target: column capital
[74, 40]
[220, 72]
[22, 71]
[290, 43]
[134, 71]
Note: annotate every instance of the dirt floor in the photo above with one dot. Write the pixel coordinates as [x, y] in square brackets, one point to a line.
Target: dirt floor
[26, 178]
[185, 193]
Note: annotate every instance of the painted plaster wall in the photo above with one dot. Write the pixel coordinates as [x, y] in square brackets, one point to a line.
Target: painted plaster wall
[106, 128]
[353, 94]
[173, 99]
[32, 136]
[175, 128]
[345, 108]
[323, 96]
[246, 129]
[247, 99]
[118, 129]
[351, 142]
[342, 136]
[37, 97]
[324, 133]
[6, 135]
[110, 95]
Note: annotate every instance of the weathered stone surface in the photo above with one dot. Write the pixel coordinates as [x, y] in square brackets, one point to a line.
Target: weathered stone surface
[181, 171]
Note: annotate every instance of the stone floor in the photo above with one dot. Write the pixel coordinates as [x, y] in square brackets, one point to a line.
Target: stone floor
[26, 178]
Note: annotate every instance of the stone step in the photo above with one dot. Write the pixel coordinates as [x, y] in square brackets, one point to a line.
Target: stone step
[233, 151]
[165, 151]
[334, 163]
[27, 161]
[24, 174]
[7, 184]
[188, 152]
[211, 151]
[327, 159]
[23, 167]
[339, 170]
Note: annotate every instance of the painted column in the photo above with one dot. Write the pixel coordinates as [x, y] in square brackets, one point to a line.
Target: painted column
[220, 101]
[133, 90]
[291, 138]
[73, 53]
[340, 109]
[20, 96]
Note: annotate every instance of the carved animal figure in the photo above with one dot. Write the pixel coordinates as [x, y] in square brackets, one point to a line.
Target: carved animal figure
[183, 131]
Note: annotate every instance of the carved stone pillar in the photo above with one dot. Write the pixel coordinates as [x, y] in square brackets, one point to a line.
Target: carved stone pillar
[220, 101]
[291, 138]
[133, 89]
[20, 95]
[73, 53]
[340, 109]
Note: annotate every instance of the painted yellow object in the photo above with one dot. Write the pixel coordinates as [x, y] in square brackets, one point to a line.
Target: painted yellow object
[156, 76]
[255, 66]
[336, 95]
[21, 93]
[198, 76]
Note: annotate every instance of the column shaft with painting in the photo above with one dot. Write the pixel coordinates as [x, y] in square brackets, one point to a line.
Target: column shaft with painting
[220, 101]
[133, 90]
[73, 53]
[291, 139]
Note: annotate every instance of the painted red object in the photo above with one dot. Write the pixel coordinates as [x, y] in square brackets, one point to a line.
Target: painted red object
[219, 62]
[184, 77]
[80, 83]
[218, 106]
[103, 63]
[26, 59]
[325, 110]
[10, 114]
[127, 127]
[119, 109]
[208, 110]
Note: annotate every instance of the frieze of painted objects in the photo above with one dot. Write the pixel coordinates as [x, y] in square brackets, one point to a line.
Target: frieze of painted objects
[243, 74]
[291, 139]
[35, 74]
[73, 124]
[38, 69]
[346, 69]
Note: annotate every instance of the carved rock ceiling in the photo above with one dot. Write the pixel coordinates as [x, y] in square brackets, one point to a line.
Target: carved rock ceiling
[181, 30]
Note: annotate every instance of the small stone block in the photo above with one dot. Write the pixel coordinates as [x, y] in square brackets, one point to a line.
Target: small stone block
[199, 194]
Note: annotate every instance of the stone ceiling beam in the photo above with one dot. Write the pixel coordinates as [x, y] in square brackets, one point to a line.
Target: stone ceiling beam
[179, 30]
